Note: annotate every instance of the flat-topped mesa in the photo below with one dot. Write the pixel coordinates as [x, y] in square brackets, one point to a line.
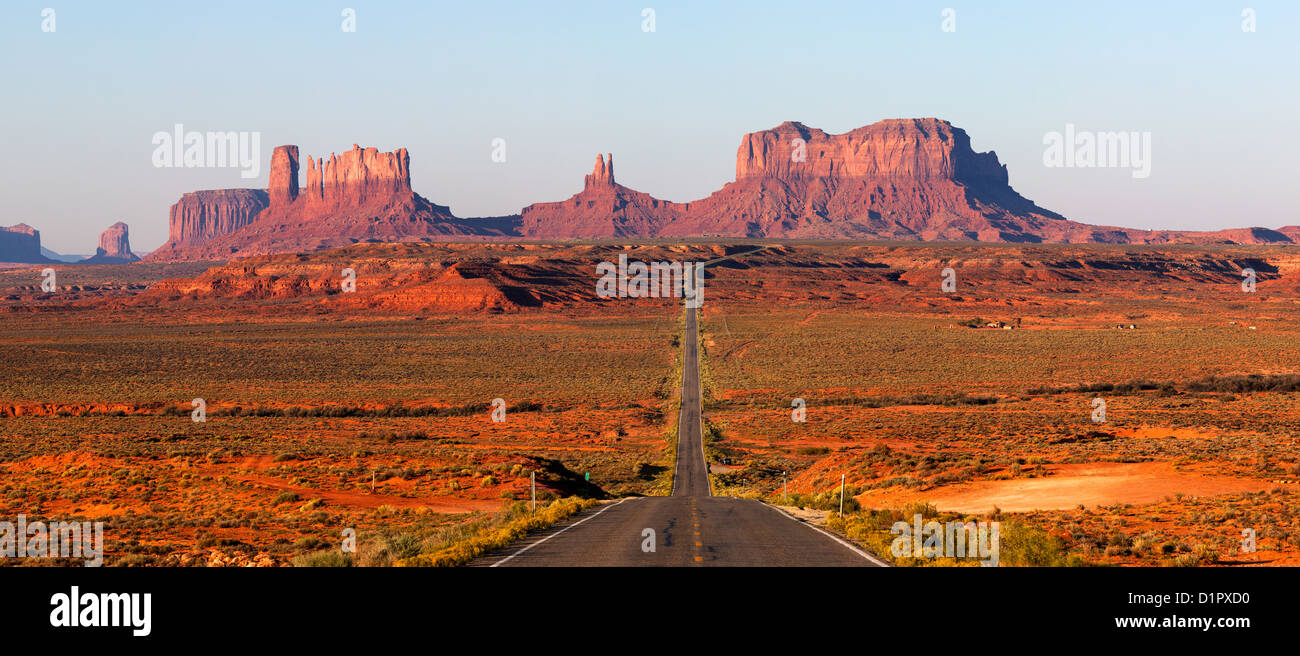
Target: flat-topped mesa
[919, 149]
[602, 175]
[357, 176]
[21, 243]
[202, 215]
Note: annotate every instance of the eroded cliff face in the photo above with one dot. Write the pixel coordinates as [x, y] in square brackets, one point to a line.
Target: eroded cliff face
[356, 177]
[201, 216]
[282, 188]
[921, 149]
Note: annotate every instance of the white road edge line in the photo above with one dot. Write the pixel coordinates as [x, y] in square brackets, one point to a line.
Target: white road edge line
[699, 394]
[677, 448]
[507, 558]
[852, 547]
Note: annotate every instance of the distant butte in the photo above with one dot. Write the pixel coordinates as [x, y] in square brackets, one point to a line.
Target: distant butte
[114, 247]
[21, 243]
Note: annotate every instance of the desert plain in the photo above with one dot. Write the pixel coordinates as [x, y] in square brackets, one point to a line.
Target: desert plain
[373, 411]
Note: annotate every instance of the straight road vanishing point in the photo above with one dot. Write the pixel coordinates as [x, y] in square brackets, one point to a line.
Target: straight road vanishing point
[692, 527]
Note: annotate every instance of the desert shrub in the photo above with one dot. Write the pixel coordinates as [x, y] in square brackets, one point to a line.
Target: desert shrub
[1023, 545]
[134, 560]
[327, 558]
[460, 544]
[310, 542]
[1246, 383]
[1195, 557]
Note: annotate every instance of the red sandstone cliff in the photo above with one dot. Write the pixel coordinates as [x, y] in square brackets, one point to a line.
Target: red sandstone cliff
[201, 216]
[355, 178]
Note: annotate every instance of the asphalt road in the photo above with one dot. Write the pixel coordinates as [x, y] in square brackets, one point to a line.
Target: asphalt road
[691, 476]
[691, 527]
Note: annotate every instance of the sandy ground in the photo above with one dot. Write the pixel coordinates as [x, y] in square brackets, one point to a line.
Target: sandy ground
[1093, 484]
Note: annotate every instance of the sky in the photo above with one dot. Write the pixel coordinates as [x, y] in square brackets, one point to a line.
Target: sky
[562, 81]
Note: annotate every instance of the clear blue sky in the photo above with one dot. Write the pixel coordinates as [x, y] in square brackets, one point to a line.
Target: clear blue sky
[562, 81]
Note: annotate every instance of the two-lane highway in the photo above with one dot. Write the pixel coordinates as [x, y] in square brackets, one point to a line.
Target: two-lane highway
[689, 528]
[691, 476]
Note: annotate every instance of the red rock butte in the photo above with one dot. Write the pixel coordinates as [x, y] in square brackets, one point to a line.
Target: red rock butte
[114, 246]
[361, 195]
[898, 179]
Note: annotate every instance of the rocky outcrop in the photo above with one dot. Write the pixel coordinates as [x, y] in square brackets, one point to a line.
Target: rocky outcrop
[201, 216]
[602, 175]
[603, 208]
[114, 247]
[21, 243]
[390, 278]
